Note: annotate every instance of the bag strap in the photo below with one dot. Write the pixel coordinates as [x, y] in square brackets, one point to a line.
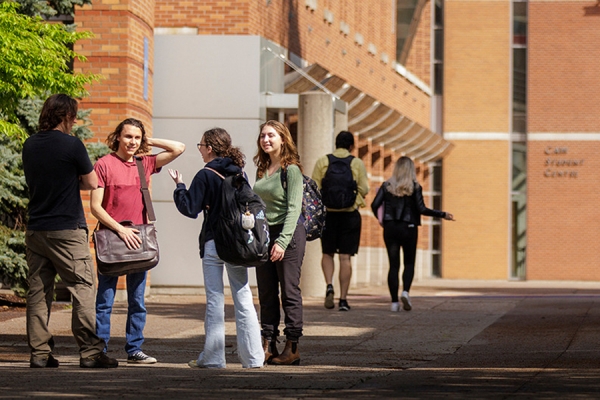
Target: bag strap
[283, 178]
[145, 192]
[215, 171]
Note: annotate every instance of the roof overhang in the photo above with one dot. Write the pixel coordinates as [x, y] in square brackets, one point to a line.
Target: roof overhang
[370, 119]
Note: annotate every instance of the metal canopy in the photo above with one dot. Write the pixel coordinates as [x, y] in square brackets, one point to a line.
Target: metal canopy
[371, 119]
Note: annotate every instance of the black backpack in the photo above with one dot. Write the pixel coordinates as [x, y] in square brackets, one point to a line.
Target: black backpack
[241, 232]
[313, 210]
[338, 186]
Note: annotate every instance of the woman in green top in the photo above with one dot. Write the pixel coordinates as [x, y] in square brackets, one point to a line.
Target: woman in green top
[277, 152]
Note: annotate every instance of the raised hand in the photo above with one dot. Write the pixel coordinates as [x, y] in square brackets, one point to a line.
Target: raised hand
[176, 175]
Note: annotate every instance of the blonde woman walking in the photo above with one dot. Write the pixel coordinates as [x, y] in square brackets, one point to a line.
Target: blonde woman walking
[403, 205]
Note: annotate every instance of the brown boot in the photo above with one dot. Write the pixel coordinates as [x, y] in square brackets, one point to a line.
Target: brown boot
[289, 356]
[270, 348]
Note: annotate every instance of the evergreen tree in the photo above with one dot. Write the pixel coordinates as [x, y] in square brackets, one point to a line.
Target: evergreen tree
[34, 63]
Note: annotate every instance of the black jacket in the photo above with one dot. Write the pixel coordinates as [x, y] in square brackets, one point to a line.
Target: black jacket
[403, 208]
[204, 195]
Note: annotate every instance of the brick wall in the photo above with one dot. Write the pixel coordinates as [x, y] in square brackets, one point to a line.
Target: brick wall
[563, 52]
[419, 57]
[563, 217]
[117, 53]
[563, 93]
[211, 17]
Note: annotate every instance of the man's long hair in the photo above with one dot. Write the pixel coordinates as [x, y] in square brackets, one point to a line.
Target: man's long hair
[113, 139]
[57, 109]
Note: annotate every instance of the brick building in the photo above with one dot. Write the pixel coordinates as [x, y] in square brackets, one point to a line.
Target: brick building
[518, 100]
[493, 99]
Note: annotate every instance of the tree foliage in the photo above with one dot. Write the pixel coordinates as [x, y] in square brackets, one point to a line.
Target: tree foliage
[45, 9]
[34, 62]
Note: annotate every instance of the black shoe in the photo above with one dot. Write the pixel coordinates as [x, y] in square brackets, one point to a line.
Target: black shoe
[48, 362]
[344, 306]
[329, 304]
[98, 361]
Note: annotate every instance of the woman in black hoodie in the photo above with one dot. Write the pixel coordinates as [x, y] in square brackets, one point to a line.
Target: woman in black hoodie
[401, 197]
[203, 196]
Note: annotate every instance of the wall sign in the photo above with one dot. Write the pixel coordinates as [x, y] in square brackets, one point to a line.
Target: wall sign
[559, 165]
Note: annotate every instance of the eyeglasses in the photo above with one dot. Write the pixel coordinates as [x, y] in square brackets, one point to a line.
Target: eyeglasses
[201, 144]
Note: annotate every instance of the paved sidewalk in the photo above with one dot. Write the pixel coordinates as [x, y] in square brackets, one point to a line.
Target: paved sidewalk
[463, 339]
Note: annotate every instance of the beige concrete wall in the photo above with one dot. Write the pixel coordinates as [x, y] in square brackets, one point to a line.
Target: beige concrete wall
[476, 66]
[476, 186]
[476, 245]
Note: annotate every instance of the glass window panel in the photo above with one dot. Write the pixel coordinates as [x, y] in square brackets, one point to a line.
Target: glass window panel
[436, 265]
[519, 170]
[439, 44]
[520, 19]
[436, 202]
[438, 77]
[405, 10]
[437, 178]
[520, 90]
[439, 16]
[436, 240]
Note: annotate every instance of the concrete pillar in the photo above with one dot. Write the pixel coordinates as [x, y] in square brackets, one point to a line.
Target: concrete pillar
[316, 133]
[340, 122]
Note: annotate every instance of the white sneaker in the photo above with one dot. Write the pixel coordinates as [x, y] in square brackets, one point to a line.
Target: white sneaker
[395, 307]
[140, 358]
[406, 301]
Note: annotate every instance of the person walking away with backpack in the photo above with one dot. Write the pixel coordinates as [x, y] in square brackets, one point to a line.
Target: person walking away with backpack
[203, 196]
[276, 152]
[119, 198]
[403, 205]
[343, 181]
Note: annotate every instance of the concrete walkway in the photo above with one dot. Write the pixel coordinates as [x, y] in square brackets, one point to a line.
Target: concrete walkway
[463, 339]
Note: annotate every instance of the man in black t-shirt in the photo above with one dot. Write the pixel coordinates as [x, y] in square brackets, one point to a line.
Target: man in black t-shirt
[56, 168]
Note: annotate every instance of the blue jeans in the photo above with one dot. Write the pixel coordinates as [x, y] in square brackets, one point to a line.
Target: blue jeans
[249, 344]
[136, 309]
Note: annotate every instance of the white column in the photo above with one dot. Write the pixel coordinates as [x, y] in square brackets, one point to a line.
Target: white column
[316, 134]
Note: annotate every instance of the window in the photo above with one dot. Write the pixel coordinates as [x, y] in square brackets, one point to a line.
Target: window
[436, 225]
[405, 10]
[519, 143]
[408, 13]
[519, 67]
[438, 48]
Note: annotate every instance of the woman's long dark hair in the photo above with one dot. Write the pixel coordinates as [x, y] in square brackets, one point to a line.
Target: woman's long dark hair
[220, 142]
